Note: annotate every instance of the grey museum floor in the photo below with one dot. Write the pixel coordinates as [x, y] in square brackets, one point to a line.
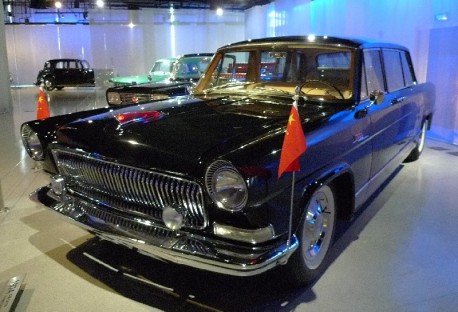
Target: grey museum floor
[399, 254]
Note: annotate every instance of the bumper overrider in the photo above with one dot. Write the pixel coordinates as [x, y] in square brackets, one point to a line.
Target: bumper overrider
[160, 242]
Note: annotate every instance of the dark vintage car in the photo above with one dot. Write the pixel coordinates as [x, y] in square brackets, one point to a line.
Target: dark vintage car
[60, 73]
[193, 180]
[186, 71]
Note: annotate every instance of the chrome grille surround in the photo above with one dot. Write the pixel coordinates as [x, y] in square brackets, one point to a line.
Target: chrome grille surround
[131, 191]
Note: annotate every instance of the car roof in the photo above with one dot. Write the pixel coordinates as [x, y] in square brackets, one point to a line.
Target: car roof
[64, 60]
[317, 40]
[197, 55]
[168, 59]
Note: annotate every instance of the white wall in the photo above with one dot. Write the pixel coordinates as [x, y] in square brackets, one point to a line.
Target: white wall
[5, 99]
[158, 34]
[30, 46]
[109, 43]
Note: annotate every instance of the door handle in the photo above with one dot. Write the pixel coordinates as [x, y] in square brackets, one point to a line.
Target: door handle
[398, 100]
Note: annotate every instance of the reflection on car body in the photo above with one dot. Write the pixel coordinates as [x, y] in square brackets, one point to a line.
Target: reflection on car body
[193, 179]
[186, 71]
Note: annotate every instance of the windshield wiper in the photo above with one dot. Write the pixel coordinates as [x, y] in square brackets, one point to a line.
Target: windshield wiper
[229, 85]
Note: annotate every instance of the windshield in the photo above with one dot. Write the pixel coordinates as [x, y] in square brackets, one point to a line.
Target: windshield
[190, 68]
[162, 66]
[323, 72]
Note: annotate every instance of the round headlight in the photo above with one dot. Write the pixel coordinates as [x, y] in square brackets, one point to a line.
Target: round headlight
[226, 186]
[32, 143]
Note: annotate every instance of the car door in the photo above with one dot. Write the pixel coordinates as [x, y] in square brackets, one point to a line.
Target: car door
[73, 73]
[385, 116]
[60, 72]
[85, 74]
[400, 87]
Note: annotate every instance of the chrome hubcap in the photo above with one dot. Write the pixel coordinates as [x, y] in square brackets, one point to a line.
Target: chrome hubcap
[319, 225]
[421, 144]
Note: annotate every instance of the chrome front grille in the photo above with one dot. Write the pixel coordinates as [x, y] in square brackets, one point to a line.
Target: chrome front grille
[130, 191]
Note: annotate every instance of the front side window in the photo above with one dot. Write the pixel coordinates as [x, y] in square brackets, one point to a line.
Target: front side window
[84, 64]
[373, 73]
[72, 64]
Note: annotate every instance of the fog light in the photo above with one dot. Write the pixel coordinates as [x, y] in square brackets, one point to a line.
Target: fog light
[173, 217]
[58, 185]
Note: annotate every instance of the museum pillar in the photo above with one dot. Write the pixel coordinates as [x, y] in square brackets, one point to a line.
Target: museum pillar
[5, 98]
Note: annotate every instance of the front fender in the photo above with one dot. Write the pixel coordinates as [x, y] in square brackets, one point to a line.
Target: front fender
[340, 176]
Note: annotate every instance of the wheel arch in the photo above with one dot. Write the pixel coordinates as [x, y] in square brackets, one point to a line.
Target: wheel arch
[429, 120]
[340, 178]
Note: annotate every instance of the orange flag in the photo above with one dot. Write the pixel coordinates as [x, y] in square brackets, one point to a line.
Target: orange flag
[294, 144]
[43, 108]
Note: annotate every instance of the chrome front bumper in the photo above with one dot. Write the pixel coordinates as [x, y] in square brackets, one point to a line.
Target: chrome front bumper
[162, 243]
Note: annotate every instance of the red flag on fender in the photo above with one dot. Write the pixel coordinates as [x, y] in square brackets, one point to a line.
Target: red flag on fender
[294, 144]
[43, 108]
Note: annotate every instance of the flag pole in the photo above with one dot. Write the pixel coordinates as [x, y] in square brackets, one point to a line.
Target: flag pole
[288, 242]
[297, 91]
[293, 146]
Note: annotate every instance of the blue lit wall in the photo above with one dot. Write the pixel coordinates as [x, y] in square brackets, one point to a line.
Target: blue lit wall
[414, 23]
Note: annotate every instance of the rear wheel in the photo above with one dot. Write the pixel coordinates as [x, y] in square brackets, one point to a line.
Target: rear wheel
[416, 152]
[316, 235]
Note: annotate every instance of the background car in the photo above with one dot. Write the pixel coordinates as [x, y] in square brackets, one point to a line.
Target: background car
[187, 70]
[161, 70]
[60, 73]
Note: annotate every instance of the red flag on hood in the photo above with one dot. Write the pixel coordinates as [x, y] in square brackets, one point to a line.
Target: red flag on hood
[294, 143]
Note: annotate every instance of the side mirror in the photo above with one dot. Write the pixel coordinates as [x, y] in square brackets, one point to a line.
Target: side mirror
[376, 97]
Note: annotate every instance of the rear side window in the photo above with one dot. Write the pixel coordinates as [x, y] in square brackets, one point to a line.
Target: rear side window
[407, 69]
[393, 70]
[398, 69]
[60, 65]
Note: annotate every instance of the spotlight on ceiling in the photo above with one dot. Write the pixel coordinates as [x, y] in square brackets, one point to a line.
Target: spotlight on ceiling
[219, 11]
[58, 4]
[100, 3]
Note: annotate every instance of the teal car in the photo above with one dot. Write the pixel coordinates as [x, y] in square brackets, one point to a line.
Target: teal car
[161, 70]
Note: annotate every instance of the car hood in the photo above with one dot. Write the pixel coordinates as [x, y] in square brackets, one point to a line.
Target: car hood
[181, 134]
[149, 87]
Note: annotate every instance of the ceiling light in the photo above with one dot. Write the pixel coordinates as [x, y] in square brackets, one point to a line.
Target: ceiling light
[219, 11]
[100, 3]
[58, 4]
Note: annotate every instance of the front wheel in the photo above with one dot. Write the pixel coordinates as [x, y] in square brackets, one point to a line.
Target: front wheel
[49, 84]
[315, 235]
